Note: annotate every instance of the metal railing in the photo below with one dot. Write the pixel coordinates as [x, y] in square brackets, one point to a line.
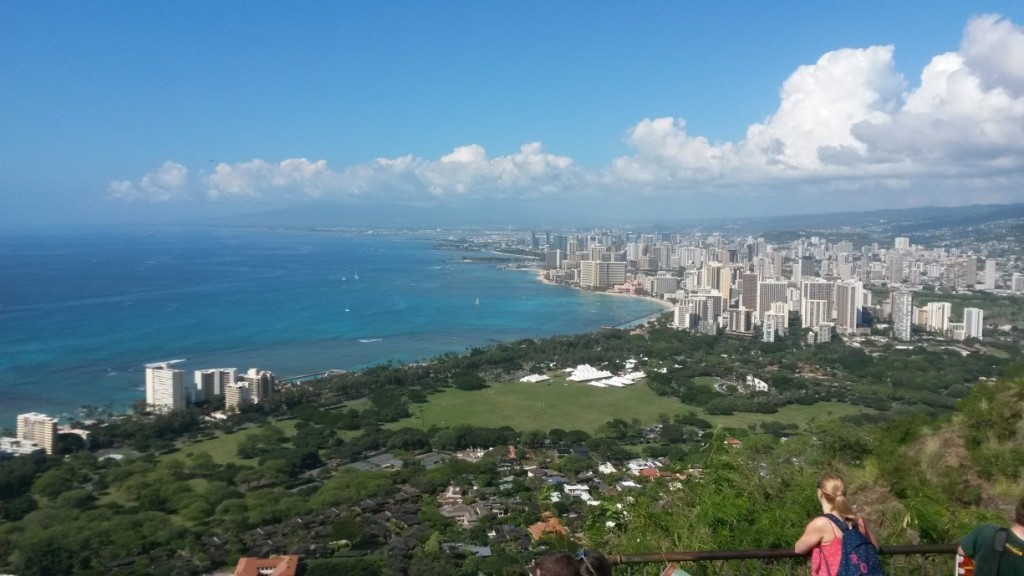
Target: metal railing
[922, 559]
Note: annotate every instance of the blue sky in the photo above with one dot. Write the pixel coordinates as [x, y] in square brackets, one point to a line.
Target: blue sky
[112, 111]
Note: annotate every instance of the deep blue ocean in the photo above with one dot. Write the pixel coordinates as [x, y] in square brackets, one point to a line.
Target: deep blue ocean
[81, 312]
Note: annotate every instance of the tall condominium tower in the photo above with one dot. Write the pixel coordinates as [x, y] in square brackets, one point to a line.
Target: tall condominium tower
[974, 322]
[38, 428]
[990, 273]
[594, 274]
[815, 290]
[797, 274]
[770, 292]
[1017, 283]
[938, 316]
[261, 384]
[748, 290]
[211, 382]
[848, 306]
[902, 314]
[165, 387]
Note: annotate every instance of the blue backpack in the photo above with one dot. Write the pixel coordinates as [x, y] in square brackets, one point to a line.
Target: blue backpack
[860, 557]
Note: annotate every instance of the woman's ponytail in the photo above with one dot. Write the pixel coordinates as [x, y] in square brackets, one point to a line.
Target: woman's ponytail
[834, 490]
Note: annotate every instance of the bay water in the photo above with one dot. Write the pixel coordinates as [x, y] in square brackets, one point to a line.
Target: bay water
[82, 312]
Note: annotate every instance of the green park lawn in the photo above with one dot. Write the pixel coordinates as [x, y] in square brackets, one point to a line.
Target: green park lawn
[223, 448]
[557, 403]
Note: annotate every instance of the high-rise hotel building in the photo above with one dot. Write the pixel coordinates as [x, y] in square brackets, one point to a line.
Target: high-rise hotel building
[595, 274]
[38, 428]
[974, 322]
[165, 387]
[770, 292]
[902, 314]
[212, 382]
[817, 297]
[848, 306]
[254, 386]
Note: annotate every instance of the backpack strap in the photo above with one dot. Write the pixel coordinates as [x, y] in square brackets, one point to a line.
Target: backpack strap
[843, 526]
[999, 545]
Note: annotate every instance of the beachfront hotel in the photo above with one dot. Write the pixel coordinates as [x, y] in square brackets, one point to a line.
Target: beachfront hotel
[165, 387]
[38, 428]
[212, 382]
[254, 386]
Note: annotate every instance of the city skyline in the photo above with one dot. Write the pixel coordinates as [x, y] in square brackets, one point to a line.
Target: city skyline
[117, 112]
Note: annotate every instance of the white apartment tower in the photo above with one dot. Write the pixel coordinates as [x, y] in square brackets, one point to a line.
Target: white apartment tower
[797, 275]
[38, 428]
[165, 387]
[848, 306]
[938, 316]
[813, 313]
[594, 274]
[1017, 284]
[768, 329]
[261, 384]
[211, 382]
[717, 276]
[812, 292]
[771, 292]
[902, 314]
[990, 273]
[974, 322]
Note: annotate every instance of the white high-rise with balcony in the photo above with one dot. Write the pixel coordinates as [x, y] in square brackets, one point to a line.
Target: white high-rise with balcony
[211, 382]
[848, 306]
[938, 316]
[902, 314]
[974, 322]
[38, 428]
[990, 273]
[165, 387]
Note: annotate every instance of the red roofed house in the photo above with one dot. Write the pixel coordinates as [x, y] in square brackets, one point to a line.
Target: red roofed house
[279, 566]
[550, 525]
[650, 473]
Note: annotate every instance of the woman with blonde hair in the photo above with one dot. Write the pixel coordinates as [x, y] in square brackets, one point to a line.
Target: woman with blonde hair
[822, 537]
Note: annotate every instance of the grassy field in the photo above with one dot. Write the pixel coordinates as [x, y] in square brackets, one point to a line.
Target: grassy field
[223, 448]
[574, 406]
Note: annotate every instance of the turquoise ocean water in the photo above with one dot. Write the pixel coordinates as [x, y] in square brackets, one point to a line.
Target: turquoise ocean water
[80, 313]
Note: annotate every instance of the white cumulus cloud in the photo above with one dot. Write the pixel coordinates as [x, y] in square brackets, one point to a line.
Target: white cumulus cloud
[848, 122]
[167, 182]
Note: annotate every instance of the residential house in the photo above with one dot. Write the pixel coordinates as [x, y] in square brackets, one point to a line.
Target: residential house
[549, 525]
[279, 566]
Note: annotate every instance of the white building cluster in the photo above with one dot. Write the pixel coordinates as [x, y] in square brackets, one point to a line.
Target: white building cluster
[166, 389]
[34, 433]
[753, 287]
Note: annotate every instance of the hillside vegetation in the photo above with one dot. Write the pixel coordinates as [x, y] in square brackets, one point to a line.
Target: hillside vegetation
[930, 442]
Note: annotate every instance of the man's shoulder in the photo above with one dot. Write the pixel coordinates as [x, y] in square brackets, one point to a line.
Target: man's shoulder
[983, 533]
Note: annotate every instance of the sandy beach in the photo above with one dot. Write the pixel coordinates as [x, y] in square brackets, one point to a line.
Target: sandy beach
[667, 305]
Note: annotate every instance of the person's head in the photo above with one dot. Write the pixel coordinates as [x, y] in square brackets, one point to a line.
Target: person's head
[1018, 514]
[593, 563]
[832, 489]
[554, 564]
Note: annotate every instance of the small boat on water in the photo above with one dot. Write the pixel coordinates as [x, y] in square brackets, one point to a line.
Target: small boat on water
[478, 301]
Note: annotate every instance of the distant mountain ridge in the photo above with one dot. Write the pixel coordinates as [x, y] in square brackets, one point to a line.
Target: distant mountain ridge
[496, 215]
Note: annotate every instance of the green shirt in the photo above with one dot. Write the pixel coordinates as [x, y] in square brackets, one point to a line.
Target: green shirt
[978, 546]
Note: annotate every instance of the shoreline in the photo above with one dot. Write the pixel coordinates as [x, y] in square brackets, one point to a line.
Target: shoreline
[668, 306]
